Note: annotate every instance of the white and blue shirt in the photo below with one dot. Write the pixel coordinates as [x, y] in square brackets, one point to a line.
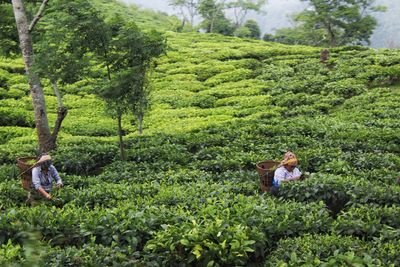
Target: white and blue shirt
[282, 174]
[39, 179]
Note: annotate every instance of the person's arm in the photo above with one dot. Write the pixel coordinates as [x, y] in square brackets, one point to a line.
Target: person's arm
[296, 175]
[44, 193]
[37, 185]
[56, 176]
[291, 179]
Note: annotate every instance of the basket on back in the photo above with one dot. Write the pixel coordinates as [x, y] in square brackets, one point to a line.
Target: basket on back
[25, 166]
[266, 170]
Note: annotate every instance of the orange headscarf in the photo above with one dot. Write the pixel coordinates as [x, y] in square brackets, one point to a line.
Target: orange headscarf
[289, 158]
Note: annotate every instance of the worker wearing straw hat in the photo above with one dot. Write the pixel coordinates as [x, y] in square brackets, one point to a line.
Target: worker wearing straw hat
[287, 171]
[43, 176]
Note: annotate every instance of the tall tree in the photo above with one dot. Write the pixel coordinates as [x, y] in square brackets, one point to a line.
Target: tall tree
[333, 23]
[214, 20]
[128, 57]
[241, 9]
[249, 30]
[47, 140]
[188, 9]
[62, 51]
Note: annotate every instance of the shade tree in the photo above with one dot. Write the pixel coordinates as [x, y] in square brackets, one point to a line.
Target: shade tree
[61, 52]
[331, 23]
[241, 9]
[214, 19]
[249, 30]
[187, 8]
[127, 55]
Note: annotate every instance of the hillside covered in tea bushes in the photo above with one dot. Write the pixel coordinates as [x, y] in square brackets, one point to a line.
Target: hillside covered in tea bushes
[188, 194]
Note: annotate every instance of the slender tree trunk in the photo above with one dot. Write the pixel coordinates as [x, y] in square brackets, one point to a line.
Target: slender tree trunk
[46, 141]
[212, 24]
[61, 114]
[61, 110]
[331, 35]
[57, 93]
[121, 141]
[140, 123]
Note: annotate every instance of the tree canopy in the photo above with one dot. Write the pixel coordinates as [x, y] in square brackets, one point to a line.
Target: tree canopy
[331, 23]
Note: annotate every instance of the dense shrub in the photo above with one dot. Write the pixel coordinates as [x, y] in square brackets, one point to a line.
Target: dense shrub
[231, 76]
[314, 249]
[16, 117]
[369, 221]
[8, 133]
[83, 156]
[345, 88]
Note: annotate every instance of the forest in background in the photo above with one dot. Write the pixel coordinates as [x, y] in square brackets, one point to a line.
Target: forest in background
[278, 15]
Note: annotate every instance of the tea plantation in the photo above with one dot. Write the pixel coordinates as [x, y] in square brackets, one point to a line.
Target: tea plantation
[189, 193]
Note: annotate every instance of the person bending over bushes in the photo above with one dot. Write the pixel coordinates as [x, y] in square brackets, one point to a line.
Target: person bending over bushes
[287, 171]
[43, 176]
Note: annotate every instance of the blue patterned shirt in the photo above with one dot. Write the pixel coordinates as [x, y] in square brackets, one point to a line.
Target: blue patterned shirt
[39, 179]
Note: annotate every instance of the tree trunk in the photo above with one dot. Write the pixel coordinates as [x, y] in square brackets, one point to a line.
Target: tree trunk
[121, 141]
[61, 111]
[57, 93]
[46, 142]
[61, 114]
[140, 123]
[211, 28]
[331, 35]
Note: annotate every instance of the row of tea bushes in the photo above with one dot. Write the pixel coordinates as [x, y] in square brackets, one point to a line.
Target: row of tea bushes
[333, 250]
[339, 192]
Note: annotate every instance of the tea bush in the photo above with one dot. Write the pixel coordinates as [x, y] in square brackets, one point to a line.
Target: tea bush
[82, 156]
[313, 249]
[189, 194]
[16, 117]
[369, 221]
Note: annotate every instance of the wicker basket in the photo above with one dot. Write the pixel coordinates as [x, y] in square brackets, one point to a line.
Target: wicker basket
[266, 171]
[26, 171]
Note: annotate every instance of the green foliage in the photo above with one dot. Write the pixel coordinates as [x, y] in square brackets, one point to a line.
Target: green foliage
[218, 240]
[250, 30]
[82, 156]
[8, 31]
[340, 192]
[144, 18]
[315, 249]
[90, 254]
[232, 76]
[189, 193]
[331, 23]
[214, 17]
[368, 221]
[10, 254]
[16, 117]
[10, 132]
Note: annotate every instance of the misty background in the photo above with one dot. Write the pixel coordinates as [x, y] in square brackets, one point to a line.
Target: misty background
[278, 12]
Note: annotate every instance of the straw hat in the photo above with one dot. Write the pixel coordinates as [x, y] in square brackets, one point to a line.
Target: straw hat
[43, 159]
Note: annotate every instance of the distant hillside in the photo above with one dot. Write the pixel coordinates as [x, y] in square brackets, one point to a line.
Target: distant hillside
[146, 19]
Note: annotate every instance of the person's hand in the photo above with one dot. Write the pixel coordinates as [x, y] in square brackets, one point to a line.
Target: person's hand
[58, 186]
[296, 178]
[49, 197]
